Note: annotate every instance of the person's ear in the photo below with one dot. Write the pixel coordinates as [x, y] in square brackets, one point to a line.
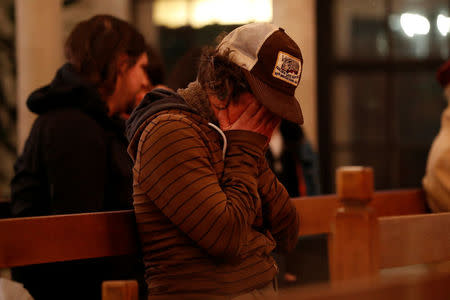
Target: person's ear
[122, 63]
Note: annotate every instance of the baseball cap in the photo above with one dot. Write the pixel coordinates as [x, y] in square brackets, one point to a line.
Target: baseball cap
[272, 63]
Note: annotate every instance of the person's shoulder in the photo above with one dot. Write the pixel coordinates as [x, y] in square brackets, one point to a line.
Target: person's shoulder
[67, 122]
[173, 120]
[66, 115]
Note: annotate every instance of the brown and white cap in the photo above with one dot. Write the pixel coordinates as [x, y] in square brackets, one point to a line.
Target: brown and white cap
[272, 63]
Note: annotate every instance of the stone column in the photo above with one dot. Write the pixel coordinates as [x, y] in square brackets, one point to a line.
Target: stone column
[39, 49]
[298, 18]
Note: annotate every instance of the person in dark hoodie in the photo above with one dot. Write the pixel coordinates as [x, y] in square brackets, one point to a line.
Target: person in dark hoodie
[292, 159]
[75, 158]
[209, 210]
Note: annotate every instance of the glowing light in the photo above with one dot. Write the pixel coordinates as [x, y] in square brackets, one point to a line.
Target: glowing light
[443, 24]
[413, 24]
[172, 13]
[198, 13]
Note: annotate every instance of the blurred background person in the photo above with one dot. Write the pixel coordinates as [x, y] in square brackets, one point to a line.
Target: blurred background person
[436, 181]
[155, 73]
[296, 165]
[293, 160]
[75, 157]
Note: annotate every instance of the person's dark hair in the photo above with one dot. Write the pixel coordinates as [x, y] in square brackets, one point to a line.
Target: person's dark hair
[218, 75]
[185, 69]
[155, 67]
[94, 45]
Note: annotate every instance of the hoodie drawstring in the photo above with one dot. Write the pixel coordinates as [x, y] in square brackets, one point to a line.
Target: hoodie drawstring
[224, 149]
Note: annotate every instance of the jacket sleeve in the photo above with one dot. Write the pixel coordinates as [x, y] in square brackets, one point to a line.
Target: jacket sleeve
[175, 171]
[63, 169]
[279, 213]
[29, 195]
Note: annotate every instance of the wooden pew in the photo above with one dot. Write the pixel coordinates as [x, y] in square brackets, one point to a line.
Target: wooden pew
[318, 212]
[26, 241]
[37, 240]
[361, 241]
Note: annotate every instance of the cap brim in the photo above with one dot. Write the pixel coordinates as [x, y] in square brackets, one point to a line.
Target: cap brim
[284, 106]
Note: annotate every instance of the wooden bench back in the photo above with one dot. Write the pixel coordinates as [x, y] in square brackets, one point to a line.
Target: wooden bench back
[35, 240]
[26, 241]
[416, 239]
[361, 242]
[318, 212]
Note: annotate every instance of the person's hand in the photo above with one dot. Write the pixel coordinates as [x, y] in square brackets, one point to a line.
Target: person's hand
[248, 114]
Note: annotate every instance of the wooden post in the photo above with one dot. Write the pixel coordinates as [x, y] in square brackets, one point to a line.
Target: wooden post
[120, 290]
[353, 239]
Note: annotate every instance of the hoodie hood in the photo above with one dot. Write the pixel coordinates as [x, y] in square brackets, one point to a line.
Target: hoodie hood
[192, 99]
[154, 102]
[67, 89]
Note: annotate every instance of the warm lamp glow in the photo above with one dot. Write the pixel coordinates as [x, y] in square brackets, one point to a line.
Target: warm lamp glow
[413, 24]
[443, 24]
[171, 13]
[198, 13]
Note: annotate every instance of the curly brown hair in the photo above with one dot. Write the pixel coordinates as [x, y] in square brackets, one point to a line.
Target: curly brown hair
[218, 75]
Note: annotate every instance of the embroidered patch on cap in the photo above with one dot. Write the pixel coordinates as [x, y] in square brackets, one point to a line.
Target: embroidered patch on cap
[287, 68]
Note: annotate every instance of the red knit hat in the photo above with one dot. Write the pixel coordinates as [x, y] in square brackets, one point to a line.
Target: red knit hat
[443, 74]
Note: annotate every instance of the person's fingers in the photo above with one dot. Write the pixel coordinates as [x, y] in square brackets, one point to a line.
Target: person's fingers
[246, 99]
[251, 110]
[268, 124]
[254, 117]
[267, 119]
[271, 117]
[259, 119]
[224, 121]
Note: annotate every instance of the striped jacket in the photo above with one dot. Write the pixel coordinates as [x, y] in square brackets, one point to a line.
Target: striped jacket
[208, 217]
